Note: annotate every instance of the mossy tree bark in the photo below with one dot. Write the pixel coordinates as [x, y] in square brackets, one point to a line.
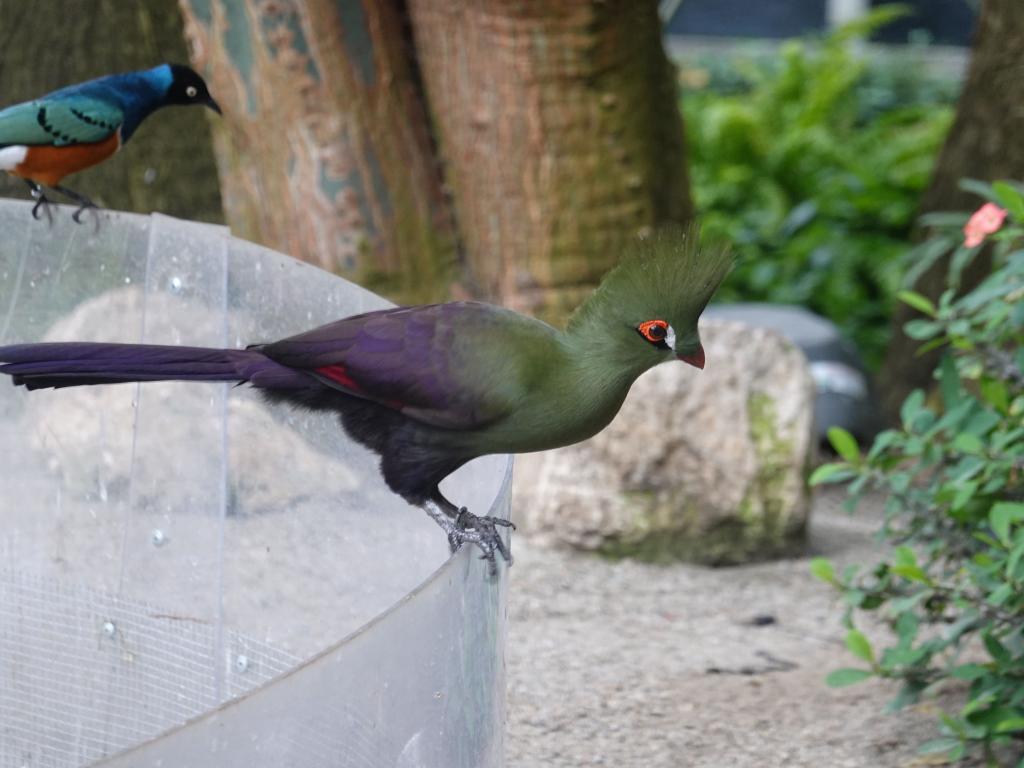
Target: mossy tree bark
[325, 152]
[559, 128]
[556, 132]
[983, 143]
[169, 164]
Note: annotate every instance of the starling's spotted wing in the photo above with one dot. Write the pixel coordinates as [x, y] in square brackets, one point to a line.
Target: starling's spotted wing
[450, 365]
[59, 122]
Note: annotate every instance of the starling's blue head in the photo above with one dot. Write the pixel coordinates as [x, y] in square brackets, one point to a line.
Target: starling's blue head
[187, 88]
[648, 306]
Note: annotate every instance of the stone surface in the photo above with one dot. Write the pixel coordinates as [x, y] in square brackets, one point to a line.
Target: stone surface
[70, 423]
[706, 466]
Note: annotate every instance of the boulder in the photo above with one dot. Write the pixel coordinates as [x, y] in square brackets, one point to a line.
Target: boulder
[88, 436]
[704, 466]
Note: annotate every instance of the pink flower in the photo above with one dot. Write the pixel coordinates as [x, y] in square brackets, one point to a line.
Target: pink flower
[983, 222]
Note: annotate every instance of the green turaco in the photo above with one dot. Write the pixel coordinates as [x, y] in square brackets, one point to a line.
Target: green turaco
[429, 388]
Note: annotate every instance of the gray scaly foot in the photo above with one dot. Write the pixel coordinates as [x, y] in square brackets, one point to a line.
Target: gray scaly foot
[467, 528]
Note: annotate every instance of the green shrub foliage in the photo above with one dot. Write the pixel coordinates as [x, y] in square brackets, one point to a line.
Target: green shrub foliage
[810, 164]
[952, 476]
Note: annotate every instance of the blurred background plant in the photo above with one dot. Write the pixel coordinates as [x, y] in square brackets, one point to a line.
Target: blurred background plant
[811, 161]
[952, 474]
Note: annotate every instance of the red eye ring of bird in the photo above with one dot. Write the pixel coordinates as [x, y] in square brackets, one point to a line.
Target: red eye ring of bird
[654, 331]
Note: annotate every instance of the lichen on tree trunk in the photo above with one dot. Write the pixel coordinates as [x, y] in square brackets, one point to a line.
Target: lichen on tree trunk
[561, 137]
[325, 152]
[168, 166]
[983, 143]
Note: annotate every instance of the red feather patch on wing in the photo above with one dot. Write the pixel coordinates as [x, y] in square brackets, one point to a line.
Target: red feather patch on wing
[339, 374]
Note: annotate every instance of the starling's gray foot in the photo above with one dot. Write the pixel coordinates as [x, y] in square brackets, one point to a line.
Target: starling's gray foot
[42, 201]
[84, 203]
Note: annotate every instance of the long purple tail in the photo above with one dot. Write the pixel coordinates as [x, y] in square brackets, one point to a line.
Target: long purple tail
[73, 364]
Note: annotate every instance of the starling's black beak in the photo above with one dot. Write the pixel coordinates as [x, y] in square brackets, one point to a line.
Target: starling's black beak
[214, 106]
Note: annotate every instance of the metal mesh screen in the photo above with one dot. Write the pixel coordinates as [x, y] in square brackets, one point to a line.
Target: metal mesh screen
[88, 674]
[191, 577]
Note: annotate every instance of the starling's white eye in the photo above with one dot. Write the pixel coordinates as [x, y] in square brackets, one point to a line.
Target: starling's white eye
[191, 91]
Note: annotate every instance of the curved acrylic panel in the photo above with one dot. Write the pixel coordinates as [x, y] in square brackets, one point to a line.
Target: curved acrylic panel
[170, 553]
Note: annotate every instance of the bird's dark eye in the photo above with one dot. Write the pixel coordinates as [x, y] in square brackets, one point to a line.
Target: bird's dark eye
[654, 331]
[191, 91]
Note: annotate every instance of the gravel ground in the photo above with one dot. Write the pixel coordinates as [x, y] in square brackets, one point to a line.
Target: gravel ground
[626, 664]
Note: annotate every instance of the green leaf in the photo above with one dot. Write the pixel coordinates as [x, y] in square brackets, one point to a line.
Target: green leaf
[1010, 725]
[936, 746]
[995, 392]
[841, 678]
[1002, 515]
[968, 443]
[995, 648]
[1015, 558]
[979, 188]
[949, 383]
[964, 493]
[904, 555]
[1010, 199]
[911, 407]
[860, 646]
[831, 473]
[911, 572]
[844, 444]
[969, 672]
[918, 302]
[921, 329]
[1002, 593]
[822, 569]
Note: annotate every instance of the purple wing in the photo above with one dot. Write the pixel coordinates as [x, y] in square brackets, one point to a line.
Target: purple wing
[433, 363]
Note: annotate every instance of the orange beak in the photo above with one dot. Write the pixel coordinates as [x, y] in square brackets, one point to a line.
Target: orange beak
[696, 359]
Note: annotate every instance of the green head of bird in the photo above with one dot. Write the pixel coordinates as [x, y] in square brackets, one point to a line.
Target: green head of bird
[646, 309]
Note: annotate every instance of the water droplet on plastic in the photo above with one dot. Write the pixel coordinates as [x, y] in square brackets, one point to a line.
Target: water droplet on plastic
[127, 281]
[159, 538]
[242, 662]
[109, 628]
[176, 284]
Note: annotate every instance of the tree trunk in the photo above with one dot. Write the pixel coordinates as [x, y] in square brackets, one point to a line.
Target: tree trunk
[559, 127]
[984, 143]
[169, 165]
[325, 151]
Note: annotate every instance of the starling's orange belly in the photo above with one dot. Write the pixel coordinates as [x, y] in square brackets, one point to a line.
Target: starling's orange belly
[48, 165]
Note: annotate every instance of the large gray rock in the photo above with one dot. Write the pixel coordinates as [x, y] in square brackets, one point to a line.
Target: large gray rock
[706, 466]
[88, 437]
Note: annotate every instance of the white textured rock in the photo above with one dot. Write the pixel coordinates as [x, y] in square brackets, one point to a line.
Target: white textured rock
[184, 438]
[705, 465]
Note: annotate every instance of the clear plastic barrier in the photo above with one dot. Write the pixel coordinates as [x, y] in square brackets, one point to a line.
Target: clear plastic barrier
[190, 577]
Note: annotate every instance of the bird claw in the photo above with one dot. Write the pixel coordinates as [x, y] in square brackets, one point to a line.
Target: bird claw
[77, 215]
[42, 201]
[463, 527]
[483, 533]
